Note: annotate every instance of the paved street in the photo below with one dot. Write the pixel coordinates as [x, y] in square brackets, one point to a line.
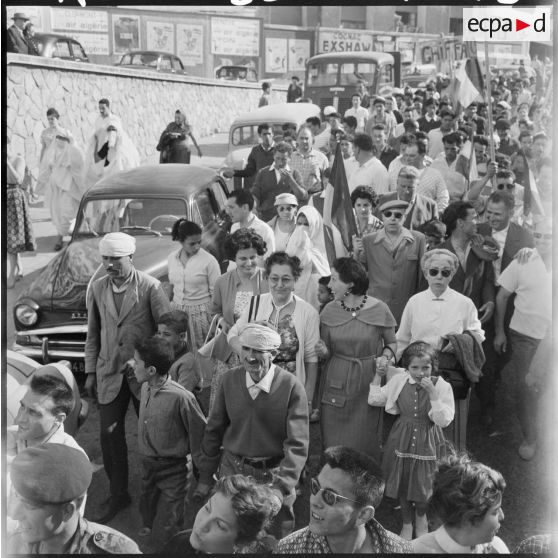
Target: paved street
[527, 500]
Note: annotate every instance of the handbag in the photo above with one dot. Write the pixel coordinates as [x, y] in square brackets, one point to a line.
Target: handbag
[451, 370]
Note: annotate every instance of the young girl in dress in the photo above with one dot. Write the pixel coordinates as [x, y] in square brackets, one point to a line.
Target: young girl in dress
[425, 405]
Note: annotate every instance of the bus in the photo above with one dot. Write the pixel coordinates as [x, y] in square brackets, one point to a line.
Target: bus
[332, 78]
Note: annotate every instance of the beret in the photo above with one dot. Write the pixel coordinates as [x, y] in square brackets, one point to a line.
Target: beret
[286, 199]
[51, 473]
[392, 204]
[117, 244]
[260, 337]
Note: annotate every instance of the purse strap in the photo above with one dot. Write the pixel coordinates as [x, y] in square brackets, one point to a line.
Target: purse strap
[253, 312]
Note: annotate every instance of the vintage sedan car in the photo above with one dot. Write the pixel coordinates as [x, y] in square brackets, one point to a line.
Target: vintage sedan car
[20, 369]
[152, 60]
[145, 202]
[54, 45]
[243, 134]
[236, 73]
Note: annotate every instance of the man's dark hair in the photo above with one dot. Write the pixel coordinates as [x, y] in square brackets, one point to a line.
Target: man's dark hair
[379, 127]
[265, 86]
[55, 388]
[364, 142]
[447, 112]
[295, 77]
[314, 121]
[454, 211]
[502, 124]
[505, 173]
[525, 134]
[502, 197]
[410, 125]
[283, 147]
[356, 95]
[351, 121]
[157, 352]
[365, 473]
[481, 140]
[176, 320]
[453, 137]
[430, 101]
[243, 197]
[264, 126]
[53, 112]
[104, 102]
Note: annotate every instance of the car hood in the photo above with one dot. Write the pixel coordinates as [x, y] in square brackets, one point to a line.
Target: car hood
[63, 282]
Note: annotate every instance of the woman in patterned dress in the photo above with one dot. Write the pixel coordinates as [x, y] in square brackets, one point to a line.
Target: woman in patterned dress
[19, 232]
[233, 291]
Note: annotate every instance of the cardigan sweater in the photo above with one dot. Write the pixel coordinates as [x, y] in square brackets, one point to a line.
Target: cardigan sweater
[274, 424]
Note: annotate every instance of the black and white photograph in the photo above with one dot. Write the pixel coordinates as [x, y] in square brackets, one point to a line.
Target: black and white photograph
[278, 278]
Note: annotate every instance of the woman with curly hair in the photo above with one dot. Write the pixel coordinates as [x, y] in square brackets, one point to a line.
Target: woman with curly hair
[365, 201]
[233, 521]
[467, 501]
[233, 291]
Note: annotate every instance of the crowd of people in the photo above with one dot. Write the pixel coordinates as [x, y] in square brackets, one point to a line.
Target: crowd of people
[444, 291]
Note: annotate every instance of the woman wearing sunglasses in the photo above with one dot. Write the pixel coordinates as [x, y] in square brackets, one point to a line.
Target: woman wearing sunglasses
[437, 313]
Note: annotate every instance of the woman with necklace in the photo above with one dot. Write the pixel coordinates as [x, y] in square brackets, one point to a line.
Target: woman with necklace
[192, 276]
[284, 223]
[355, 329]
[234, 290]
[296, 321]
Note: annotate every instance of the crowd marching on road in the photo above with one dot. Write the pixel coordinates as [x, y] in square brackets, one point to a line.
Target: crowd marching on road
[433, 289]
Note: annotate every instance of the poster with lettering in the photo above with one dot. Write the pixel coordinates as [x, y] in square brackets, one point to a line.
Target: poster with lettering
[275, 55]
[92, 43]
[34, 13]
[407, 49]
[345, 41]
[160, 36]
[299, 52]
[235, 36]
[78, 20]
[189, 43]
[125, 33]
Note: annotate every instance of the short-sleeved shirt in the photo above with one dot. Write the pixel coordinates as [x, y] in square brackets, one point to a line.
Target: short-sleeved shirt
[372, 173]
[310, 166]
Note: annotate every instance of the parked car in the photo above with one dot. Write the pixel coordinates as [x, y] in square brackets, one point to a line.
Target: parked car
[53, 45]
[20, 370]
[237, 73]
[145, 202]
[243, 134]
[152, 60]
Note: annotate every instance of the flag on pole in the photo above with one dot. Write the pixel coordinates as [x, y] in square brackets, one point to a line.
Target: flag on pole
[531, 198]
[341, 208]
[469, 82]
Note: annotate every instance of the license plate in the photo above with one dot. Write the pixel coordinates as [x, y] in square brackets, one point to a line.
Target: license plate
[78, 367]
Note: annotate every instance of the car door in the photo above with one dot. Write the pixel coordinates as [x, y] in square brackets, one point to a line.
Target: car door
[78, 54]
[164, 64]
[177, 66]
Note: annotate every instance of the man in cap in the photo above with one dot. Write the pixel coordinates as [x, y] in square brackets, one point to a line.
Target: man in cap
[49, 484]
[259, 419]
[277, 178]
[123, 307]
[15, 41]
[392, 256]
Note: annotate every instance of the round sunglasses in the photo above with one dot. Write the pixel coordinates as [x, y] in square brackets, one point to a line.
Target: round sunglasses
[328, 496]
[504, 186]
[433, 272]
[396, 214]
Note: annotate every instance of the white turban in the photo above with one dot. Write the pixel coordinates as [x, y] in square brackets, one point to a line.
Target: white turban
[259, 337]
[117, 244]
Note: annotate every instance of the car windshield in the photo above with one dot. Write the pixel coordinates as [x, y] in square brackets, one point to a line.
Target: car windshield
[140, 59]
[133, 215]
[248, 134]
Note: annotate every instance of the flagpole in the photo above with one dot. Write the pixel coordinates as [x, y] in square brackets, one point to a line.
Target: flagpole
[489, 105]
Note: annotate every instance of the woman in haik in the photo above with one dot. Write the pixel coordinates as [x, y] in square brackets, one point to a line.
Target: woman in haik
[174, 143]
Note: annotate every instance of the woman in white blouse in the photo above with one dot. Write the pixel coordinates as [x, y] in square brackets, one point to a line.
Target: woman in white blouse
[192, 275]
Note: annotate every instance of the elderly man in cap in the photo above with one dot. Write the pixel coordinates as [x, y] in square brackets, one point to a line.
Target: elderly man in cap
[260, 420]
[49, 484]
[123, 307]
[392, 256]
[15, 41]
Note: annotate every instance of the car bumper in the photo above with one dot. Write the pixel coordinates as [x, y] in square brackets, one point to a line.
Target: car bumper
[53, 344]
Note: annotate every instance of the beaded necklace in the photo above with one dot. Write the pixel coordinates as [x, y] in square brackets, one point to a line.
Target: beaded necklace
[356, 309]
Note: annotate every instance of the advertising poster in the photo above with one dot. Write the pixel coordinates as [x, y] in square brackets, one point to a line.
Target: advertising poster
[125, 33]
[79, 20]
[299, 52]
[160, 36]
[189, 43]
[276, 55]
[235, 36]
[92, 43]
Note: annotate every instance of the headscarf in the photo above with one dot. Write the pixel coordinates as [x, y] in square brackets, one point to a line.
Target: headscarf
[259, 337]
[117, 245]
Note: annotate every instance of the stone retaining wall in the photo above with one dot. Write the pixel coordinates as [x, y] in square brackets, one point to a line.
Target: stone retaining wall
[144, 100]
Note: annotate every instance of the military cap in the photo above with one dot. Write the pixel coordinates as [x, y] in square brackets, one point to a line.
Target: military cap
[393, 204]
[51, 473]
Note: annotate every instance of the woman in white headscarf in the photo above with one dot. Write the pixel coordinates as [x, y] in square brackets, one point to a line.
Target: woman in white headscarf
[63, 178]
[308, 243]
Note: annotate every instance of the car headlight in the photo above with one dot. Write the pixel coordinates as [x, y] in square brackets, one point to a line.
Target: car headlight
[27, 314]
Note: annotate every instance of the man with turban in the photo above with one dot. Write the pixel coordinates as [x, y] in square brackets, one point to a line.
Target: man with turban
[260, 419]
[50, 482]
[122, 307]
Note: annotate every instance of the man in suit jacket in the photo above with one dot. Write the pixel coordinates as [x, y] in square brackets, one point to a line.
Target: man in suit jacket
[15, 40]
[122, 307]
[420, 209]
[510, 237]
[277, 178]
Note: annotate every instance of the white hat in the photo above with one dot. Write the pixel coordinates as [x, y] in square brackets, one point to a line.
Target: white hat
[259, 337]
[117, 244]
[329, 110]
[286, 199]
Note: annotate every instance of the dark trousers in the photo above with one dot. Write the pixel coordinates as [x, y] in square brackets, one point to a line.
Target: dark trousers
[167, 477]
[113, 439]
[522, 351]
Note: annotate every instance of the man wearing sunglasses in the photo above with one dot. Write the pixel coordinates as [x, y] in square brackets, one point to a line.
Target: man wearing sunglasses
[343, 501]
[392, 256]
